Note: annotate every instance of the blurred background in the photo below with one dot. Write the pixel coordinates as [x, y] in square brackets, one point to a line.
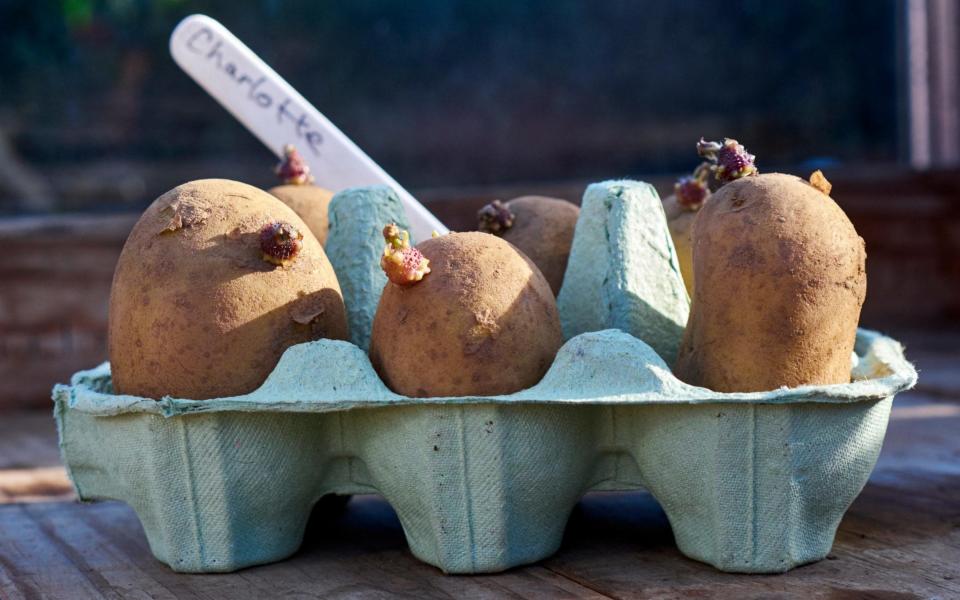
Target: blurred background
[448, 94]
[465, 101]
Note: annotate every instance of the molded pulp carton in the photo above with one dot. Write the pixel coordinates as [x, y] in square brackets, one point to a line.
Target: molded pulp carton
[751, 482]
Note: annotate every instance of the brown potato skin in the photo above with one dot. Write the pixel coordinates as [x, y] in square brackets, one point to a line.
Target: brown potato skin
[310, 202]
[195, 312]
[482, 322]
[680, 223]
[543, 230]
[780, 279]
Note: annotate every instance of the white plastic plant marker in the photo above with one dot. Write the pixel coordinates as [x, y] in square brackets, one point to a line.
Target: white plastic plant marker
[278, 115]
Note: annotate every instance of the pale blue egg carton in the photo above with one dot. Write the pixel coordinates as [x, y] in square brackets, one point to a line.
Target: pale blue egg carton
[751, 482]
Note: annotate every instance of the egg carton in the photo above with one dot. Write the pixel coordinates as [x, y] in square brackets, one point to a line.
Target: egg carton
[751, 482]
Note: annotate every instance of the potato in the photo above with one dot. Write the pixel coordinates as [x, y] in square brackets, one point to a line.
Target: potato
[297, 191]
[198, 311]
[542, 228]
[481, 322]
[680, 223]
[779, 281]
[310, 202]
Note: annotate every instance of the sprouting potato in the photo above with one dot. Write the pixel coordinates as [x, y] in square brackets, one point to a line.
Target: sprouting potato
[464, 314]
[298, 191]
[215, 281]
[541, 227]
[780, 279]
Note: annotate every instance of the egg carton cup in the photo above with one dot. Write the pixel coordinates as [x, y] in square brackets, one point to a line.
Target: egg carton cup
[751, 482]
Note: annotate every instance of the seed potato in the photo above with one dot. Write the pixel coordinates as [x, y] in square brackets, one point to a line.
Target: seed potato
[196, 310]
[482, 322]
[680, 223]
[542, 228]
[310, 202]
[779, 281]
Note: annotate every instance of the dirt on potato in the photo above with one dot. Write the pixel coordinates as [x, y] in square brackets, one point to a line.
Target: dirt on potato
[482, 322]
[780, 279]
[195, 309]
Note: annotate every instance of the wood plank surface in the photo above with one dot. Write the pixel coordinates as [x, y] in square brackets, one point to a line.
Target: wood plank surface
[900, 539]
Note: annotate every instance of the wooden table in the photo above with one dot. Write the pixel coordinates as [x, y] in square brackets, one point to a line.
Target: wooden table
[900, 539]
